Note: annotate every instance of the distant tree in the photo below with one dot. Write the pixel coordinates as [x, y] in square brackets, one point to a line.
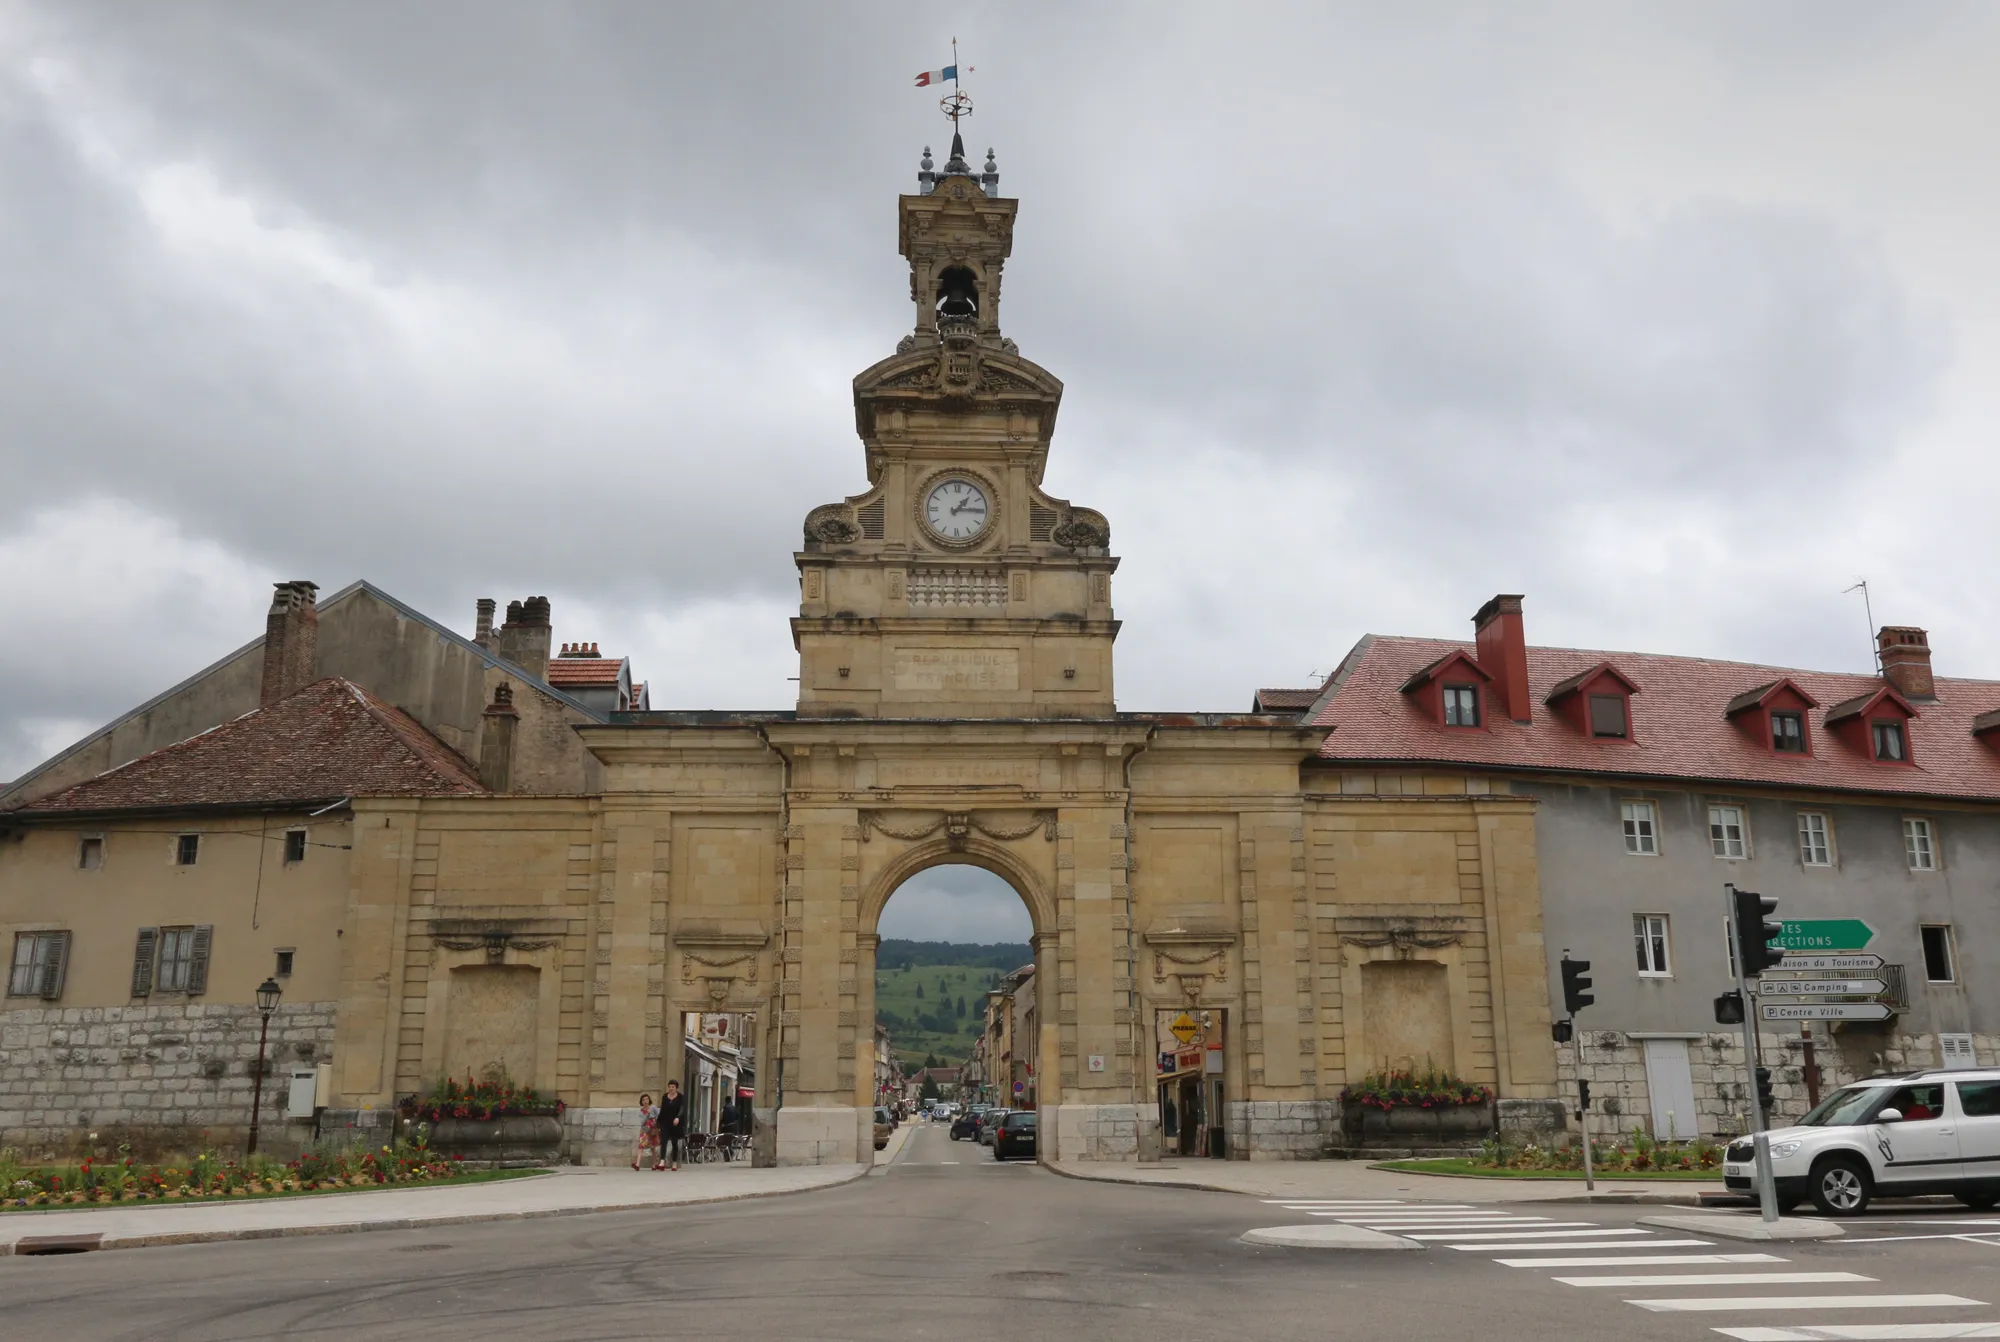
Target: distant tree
[920, 992]
[961, 1008]
[930, 1060]
[929, 1090]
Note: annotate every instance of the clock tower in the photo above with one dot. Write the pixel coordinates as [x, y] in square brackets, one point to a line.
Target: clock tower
[953, 586]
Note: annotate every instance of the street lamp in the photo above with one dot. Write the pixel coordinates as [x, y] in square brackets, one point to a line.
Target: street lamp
[268, 993]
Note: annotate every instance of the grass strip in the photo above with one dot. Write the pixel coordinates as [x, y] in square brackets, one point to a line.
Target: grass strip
[1472, 1169]
[469, 1177]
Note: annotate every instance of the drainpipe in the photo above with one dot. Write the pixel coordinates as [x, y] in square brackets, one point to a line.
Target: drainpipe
[778, 999]
[1146, 1142]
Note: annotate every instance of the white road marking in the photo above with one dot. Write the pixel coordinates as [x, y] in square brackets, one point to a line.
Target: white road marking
[1713, 1303]
[1716, 1279]
[1538, 1234]
[1340, 1202]
[947, 1162]
[1640, 1259]
[1571, 1246]
[1862, 1332]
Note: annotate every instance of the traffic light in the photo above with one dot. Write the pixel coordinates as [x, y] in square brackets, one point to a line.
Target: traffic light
[1755, 933]
[1582, 1093]
[1576, 984]
[1562, 1031]
[1765, 1099]
[1729, 1008]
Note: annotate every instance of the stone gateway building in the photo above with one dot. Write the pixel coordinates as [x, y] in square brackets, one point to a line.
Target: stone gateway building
[955, 636]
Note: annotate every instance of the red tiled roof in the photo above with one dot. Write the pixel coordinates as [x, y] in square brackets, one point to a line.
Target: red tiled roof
[1279, 701]
[1679, 724]
[329, 739]
[584, 672]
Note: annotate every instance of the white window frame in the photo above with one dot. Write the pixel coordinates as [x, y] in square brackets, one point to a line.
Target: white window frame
[1640, 823]
[1719, 842]
[1651, 932]
[1449, 695]
[1950, 952]
[1807, 850]
[1920, 843]
[181, 939]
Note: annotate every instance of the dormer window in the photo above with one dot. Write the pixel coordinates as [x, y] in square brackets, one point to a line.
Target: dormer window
[1448, 691]
[1596, 702]
[1461, 705]
[1875, 726]
[1788, 733]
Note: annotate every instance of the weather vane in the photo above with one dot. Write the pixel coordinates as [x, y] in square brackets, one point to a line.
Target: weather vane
[957, 103]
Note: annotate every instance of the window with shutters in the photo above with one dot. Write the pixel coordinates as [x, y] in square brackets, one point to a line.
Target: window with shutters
[172, 960]
[1607, 715]
[40, 962]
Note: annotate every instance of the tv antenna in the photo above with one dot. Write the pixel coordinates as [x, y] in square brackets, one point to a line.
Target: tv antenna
[1874, 648]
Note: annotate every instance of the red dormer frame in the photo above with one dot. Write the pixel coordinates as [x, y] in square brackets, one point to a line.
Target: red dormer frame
[1854, 722]
[1753, 710]
[1986, 727]
[1571, 699]
[1426, 688]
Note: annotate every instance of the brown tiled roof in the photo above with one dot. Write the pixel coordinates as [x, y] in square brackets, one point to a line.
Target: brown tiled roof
[570, 673]
[1681, 726]
[330, 739]
[1283, 701]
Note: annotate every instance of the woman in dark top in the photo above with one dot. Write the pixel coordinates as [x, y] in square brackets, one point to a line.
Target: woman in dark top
[673, 1126]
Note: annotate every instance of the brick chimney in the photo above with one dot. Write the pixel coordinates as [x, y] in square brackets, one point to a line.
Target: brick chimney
[1502, 645]
[482, 622]
[524, 639]
[1906, 660]
[291, 640]
[496, 739]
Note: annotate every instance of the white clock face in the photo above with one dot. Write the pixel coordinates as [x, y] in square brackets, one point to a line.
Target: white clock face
[956, 509]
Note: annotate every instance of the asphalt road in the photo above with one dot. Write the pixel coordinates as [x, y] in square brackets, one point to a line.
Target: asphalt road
[946, 1243]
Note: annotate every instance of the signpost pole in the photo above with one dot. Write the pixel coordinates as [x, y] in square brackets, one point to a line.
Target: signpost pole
[1582, 1107]
[1767, 1187]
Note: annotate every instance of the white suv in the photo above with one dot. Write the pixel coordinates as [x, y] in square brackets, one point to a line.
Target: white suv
[1888, 1136]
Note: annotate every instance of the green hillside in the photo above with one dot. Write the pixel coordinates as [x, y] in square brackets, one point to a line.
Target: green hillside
[931, 995]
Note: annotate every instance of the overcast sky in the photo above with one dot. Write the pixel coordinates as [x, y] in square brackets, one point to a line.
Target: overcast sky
[1677, 318]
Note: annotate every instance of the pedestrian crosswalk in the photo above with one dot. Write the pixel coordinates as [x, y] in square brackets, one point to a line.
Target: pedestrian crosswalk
[1733, 1282]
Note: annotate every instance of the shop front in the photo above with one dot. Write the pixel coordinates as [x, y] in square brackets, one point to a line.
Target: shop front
[1189, 1065]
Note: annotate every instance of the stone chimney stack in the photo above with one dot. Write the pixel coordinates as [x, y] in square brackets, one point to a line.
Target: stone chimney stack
[1502, 644]
[524, 639]
[291, 640]
[496, 739]
[482, 623]
[1906, 660]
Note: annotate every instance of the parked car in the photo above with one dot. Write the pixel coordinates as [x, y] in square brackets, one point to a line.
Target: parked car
[883, 1127]
[965, 1128]
[989, 1123]
[1888, 1136]
[1015, 1136]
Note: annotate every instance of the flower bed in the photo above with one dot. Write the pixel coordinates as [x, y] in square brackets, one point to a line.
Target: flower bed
[1409, 1109]
[482, 1101]
[1637, 1154]
[210, 1177]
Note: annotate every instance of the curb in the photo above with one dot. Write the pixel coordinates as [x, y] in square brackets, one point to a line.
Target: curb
[1188, 1184]
[75, 1243]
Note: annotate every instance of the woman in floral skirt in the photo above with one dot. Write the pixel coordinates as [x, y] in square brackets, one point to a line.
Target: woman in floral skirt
[649, 1132]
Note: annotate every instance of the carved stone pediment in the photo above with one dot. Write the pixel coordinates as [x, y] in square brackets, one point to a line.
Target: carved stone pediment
[1192, 947]
[496, 936]
[719, 950]
[722, 934]
[1406, 935]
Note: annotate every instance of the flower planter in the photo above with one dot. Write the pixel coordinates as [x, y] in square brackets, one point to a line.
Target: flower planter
[514, 1142]
[1413, 1125]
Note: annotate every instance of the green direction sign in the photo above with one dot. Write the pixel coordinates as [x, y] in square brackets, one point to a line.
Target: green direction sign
[1825, 934]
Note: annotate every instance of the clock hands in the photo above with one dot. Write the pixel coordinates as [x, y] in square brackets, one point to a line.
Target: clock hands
[967, 504]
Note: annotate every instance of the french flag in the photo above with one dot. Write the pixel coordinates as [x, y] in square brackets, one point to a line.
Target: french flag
[930, 77]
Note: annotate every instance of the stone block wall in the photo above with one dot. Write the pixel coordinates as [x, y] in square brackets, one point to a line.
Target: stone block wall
[1282, 1129]
[1621, 1100]
[600, 1136]
[1092, 1131]
[164, 1079]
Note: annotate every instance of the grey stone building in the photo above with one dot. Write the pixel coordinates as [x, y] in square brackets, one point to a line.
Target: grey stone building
[1868, 806]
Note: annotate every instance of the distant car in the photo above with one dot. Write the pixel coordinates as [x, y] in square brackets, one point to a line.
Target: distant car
[989, 1123]
[883, 1127]
[965, 1128]
[1015, 1136]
